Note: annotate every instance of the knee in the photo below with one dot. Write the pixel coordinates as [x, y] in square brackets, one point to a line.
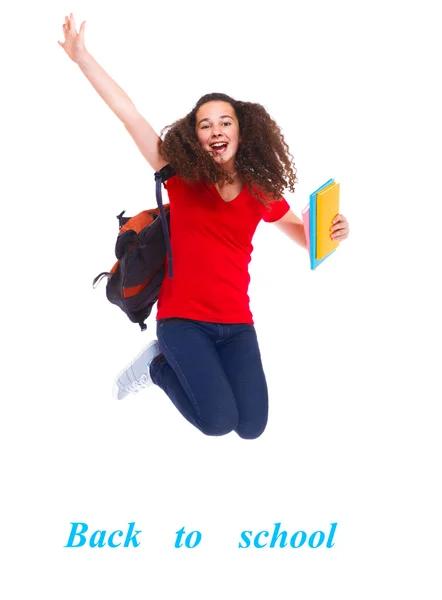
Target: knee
[219, 426]
[251, 431]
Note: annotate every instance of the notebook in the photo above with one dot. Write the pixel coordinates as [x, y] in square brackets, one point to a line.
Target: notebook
[317, 217]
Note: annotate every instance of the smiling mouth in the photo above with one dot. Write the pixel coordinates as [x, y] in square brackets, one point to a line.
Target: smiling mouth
[219, 148]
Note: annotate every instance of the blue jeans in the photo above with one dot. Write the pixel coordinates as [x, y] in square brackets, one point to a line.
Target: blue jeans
[213, 374]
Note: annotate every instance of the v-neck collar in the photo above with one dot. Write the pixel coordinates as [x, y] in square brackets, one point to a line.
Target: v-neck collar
[216, 193]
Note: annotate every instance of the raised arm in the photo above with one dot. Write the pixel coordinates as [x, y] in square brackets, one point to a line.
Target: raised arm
[116, 98]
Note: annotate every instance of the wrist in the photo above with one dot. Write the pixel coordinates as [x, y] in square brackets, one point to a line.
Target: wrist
[83, 59]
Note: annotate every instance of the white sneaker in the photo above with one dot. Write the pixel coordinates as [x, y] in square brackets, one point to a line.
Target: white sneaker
[136, 376]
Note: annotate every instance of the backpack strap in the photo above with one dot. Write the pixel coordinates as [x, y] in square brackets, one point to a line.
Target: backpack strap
[122, 220]
[160, 177]
[99, 277]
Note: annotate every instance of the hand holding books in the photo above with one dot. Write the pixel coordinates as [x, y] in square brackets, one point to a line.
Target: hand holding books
[323, 225]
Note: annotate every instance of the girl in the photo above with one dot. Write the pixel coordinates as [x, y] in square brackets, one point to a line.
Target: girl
[232, 166]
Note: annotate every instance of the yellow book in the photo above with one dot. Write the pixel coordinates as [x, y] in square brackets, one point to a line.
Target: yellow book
[327, 207]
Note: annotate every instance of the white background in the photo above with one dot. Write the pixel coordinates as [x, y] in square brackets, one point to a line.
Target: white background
[351, 351]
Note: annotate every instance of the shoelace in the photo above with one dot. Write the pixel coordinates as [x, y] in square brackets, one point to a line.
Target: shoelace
[136, 386]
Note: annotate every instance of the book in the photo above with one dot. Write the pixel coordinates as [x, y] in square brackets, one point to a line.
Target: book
[317, 217]
[327, 207]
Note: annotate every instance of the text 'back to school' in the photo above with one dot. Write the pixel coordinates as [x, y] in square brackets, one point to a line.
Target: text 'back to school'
[130, 537]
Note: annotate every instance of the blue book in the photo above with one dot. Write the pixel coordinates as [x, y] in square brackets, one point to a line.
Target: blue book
[309, 215]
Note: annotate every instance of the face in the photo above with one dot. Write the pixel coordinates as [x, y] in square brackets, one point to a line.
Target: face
[217, 129]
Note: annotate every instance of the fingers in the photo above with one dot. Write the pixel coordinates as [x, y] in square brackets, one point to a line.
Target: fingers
[339, 232]
[66, 31]
[339, 229]
[339, 222]
[340, 235]
[338, 219]
[69, 25]
[65, 36]
[66, 27]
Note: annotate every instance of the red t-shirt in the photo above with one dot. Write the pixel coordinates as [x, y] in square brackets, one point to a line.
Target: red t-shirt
[211, 247]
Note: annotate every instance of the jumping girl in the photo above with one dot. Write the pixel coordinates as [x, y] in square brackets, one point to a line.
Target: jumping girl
[232, 166]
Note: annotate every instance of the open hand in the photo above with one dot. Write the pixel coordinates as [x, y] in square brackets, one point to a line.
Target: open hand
[339, 229]
[73, 41]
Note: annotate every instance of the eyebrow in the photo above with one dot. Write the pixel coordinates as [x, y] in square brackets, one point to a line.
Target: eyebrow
[222, 117]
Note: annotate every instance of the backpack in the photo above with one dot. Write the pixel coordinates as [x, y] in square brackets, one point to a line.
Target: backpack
[142, 245]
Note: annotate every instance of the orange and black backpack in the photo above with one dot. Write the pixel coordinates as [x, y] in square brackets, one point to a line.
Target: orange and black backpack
[142, 245]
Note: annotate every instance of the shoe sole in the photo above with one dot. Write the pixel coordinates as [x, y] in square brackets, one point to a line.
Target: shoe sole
[116, 389]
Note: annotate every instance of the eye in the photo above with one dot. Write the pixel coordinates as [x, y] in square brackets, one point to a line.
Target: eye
[204, 126]
[227, 123]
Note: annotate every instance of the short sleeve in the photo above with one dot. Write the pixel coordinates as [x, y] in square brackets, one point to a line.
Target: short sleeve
[171, 182]
[276, 210]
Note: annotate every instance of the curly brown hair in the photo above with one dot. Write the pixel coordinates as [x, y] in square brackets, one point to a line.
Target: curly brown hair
[262, 160]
